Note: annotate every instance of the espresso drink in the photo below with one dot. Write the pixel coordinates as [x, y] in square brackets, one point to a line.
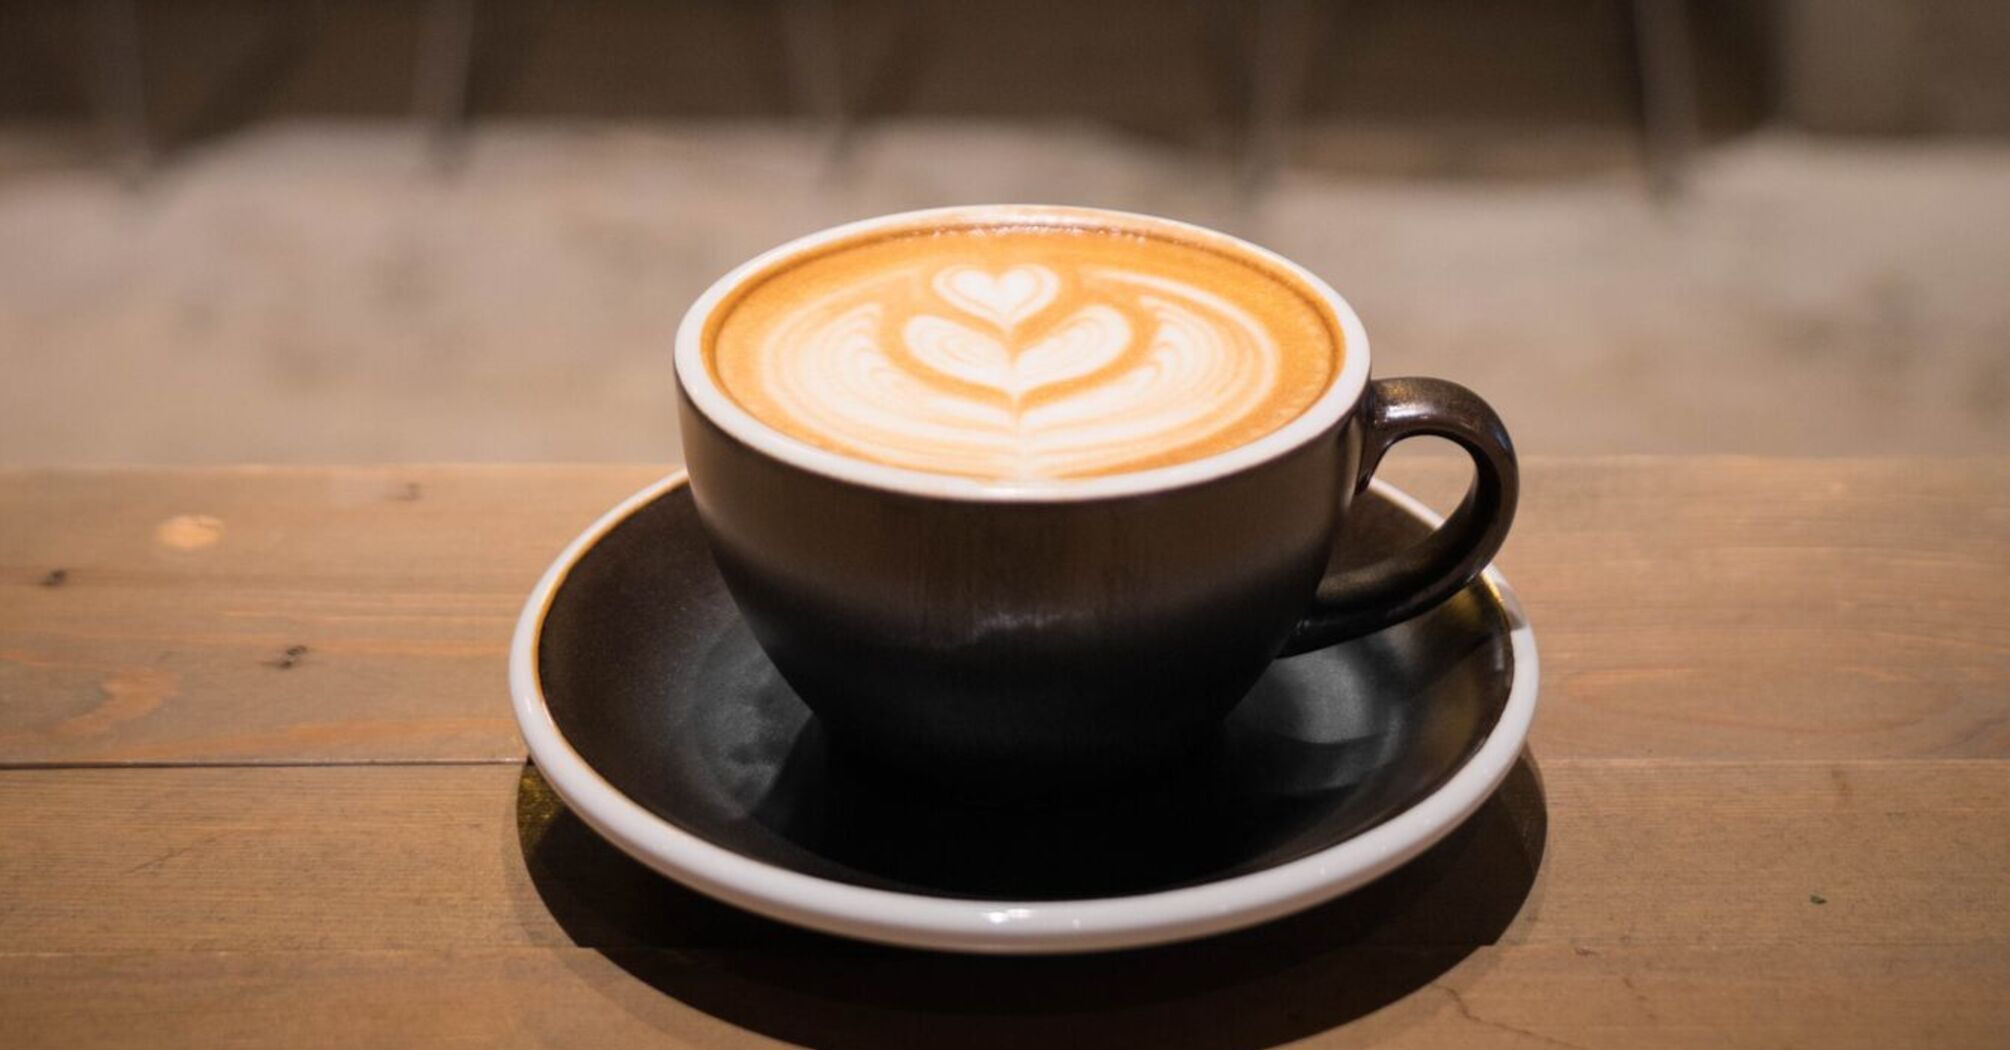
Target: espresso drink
[1005, 346]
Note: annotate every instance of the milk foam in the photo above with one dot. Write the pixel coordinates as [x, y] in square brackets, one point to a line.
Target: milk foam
[1025, 370]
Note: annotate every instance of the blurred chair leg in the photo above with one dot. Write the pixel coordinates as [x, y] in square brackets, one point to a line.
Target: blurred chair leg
[1222, 54]
[121, 89]
[816, 76]
[240, 92]
[1667, 91]
[1277, 68]
[889, 42]
[446, 59]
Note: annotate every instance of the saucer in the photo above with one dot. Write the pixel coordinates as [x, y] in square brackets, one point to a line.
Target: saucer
[651, 711]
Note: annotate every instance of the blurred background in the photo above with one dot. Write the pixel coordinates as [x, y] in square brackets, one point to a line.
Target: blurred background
[440, 230]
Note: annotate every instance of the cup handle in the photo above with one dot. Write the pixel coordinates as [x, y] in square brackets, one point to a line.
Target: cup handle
[1359, 601]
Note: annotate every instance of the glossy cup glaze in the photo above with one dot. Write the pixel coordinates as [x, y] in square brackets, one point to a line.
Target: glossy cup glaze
[1018, 638]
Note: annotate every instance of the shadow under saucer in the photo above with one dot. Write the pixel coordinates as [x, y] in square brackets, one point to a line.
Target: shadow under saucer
[1285, 980]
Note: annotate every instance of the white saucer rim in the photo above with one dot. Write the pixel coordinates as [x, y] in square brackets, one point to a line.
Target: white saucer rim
[1006, 926]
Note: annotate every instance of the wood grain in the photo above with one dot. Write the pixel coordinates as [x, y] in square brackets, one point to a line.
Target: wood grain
[1693, 608]
[1677, 853]
[338, 615]
[1765, 997]
[264, 789]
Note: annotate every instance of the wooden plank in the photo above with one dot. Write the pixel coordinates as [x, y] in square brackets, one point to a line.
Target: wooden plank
[1695, 608]
[1510, 995]
[1742, 608]
[274, 615]
[444, 857]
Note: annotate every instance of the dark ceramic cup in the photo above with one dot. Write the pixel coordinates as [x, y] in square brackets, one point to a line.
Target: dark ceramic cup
[1020, 638]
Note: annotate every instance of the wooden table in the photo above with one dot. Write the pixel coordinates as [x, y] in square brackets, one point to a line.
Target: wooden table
[261, 786]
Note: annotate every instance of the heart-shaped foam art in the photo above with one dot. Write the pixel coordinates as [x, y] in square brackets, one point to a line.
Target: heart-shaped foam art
[1019, 370]
[1004, 299]
[1091, 338]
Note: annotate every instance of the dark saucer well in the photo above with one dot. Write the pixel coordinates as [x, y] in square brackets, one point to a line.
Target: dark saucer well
[652, 677]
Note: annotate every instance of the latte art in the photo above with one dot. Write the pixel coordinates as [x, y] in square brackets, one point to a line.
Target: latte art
[1023, 355]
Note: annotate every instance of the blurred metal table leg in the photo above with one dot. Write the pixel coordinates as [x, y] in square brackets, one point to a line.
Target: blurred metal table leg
[816, 75]
[1218, 38]
[1258, 70]
[120, 92]
[1668, 114]
[440, 90]
[1277, 68]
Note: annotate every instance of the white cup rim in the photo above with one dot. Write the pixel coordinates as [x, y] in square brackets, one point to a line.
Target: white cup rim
[695, 379]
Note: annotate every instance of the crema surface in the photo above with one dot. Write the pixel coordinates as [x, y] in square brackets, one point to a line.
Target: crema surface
[1011, 351]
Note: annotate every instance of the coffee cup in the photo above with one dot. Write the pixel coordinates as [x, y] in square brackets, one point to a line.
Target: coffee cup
[1018, 498]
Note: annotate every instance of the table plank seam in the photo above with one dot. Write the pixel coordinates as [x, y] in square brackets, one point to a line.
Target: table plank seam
[309, 763]
[1543, 761]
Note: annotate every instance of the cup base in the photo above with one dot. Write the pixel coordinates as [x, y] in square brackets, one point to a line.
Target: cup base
[649, 708]
[1013, 781]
